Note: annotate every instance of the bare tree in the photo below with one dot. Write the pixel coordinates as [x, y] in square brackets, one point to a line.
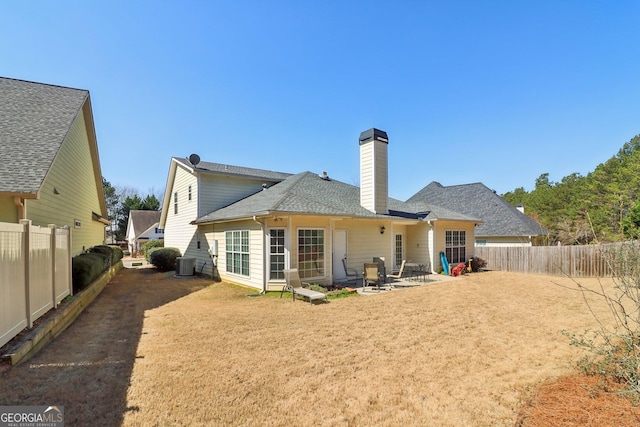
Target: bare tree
[615, 346]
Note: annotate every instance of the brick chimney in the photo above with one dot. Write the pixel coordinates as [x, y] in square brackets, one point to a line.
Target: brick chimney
[374, 181]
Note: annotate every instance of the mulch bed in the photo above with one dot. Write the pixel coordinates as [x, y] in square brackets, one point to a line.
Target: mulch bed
[579, 400]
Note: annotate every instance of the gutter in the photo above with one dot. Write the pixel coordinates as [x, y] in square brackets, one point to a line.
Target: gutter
[100, 218]
[264, 248]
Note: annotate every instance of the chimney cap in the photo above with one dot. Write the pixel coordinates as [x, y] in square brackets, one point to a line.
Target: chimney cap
[373, 134]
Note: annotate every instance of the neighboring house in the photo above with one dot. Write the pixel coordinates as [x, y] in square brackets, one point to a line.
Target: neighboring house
[49, 164]
[143, 226]
[503, 224]
[255, 223]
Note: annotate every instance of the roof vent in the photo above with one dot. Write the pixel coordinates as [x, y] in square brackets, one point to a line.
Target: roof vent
[194, 159]
[325, 176]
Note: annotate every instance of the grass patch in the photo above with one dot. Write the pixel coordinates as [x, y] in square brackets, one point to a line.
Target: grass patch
[331, 295]
[342, 293]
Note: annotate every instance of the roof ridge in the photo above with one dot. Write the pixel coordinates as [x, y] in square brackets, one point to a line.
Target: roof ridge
[294, 180]
[186, 162]
[465, 185]
[43, 84]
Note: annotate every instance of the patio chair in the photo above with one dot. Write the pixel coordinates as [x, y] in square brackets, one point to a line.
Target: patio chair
[372, 278]
[297, 287]
[352, 274]
[398, 275]
[382, 269]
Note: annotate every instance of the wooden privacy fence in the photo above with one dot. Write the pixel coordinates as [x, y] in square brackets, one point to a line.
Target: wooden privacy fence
[35, 274]
[574, 261]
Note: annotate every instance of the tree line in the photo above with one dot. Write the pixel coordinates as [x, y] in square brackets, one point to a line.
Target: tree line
[120, 201]
[603, 206]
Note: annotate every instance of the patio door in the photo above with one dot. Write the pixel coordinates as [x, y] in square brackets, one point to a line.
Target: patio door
[339, 253]
[398, 250]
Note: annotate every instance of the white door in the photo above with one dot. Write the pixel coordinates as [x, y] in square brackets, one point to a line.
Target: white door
[339, 253]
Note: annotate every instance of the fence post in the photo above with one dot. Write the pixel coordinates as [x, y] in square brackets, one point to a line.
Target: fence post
[70, 258]
[27, 261]
[52, 242]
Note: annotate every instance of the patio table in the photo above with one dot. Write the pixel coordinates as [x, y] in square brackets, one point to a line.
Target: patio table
[416, 271]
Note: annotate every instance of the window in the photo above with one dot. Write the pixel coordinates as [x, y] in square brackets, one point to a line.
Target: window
[276, 253]
[175, 203]
[237, 252]
[399, 254]
[455, 246]
[159, 230]
[481, 242]
[311, 253]
[189, 194]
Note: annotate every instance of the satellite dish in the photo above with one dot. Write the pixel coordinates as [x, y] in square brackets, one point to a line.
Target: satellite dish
[194, 159]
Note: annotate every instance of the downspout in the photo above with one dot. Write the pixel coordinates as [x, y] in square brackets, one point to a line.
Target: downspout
[264, 249]
[22, 210]
[432, 247]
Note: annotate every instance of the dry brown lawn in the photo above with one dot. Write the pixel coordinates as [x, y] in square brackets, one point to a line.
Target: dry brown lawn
[157, 350]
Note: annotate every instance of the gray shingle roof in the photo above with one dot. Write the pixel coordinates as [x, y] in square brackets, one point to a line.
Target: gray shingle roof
[34, 120]
[208, 167]
[436, 212]
[308, 193]
[500, 218]
[143, 219]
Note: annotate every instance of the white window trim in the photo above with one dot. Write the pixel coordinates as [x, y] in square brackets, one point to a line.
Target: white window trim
[175, 203]
[457, 246]
[226, 253]
[286, 252]
[398, 262]
[324, 252]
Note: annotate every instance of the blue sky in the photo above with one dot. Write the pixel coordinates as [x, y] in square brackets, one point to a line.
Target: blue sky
[497, 92]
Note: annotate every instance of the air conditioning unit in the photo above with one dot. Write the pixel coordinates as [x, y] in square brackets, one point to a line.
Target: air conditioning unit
[185, 266]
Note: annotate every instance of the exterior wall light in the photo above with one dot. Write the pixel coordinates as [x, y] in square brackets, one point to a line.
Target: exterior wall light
[382, 230]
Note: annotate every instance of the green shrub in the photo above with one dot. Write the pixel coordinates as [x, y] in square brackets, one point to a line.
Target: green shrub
[147, 255]
[117, 253]
[164, 259]
[151, 244]
[86, 268]
[104, 250]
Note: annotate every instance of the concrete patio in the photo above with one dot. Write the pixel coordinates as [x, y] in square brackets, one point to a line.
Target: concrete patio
[403, 283]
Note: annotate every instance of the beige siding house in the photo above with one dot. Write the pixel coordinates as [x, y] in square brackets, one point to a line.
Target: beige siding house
[195, 189]
[49, 164]
[142, 226]
[248, 225]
